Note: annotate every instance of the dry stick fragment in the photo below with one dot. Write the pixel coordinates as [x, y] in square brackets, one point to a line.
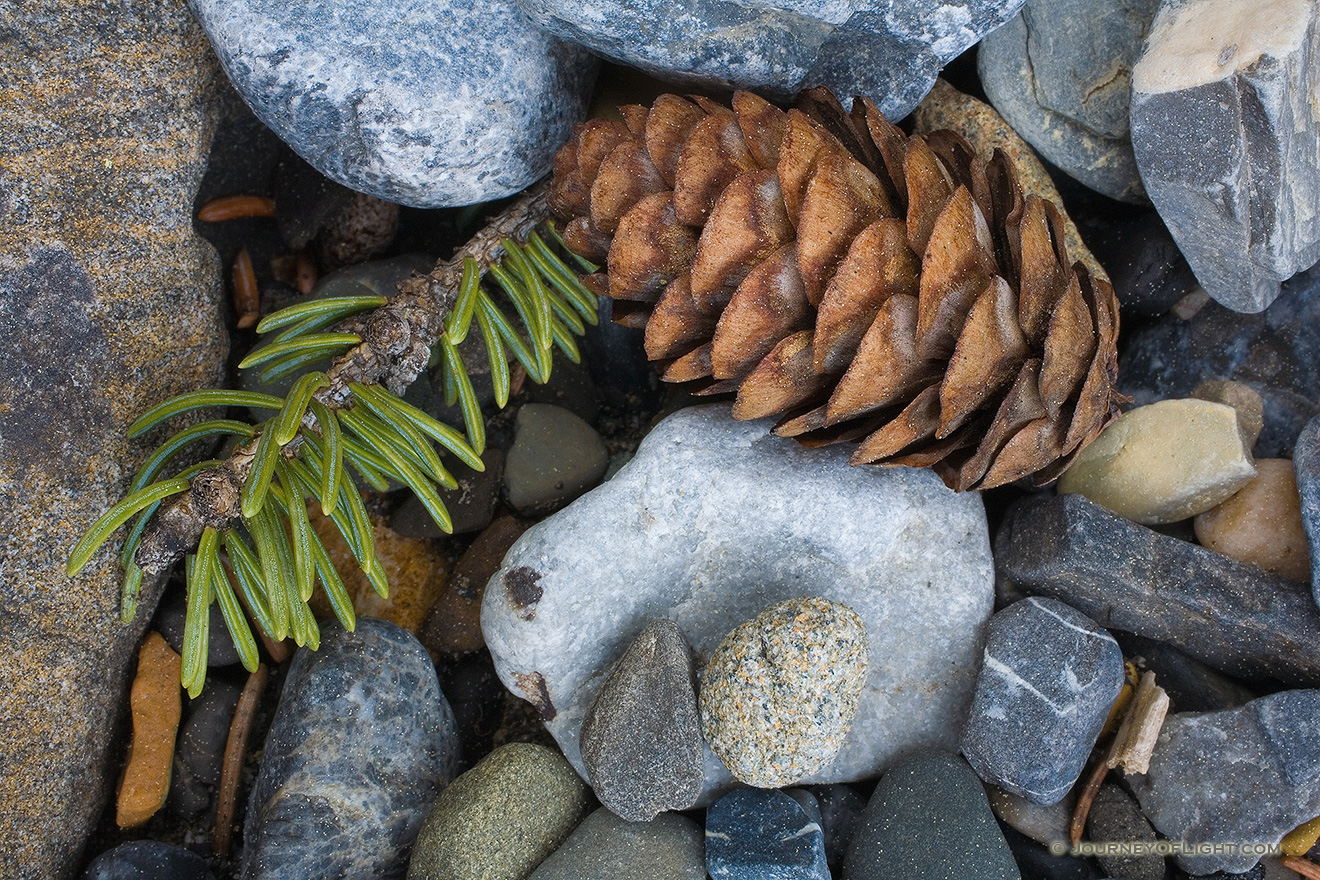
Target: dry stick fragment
[1305, 867]
[247, 295]
[234, 207]
[1085, 799]
[232, 768]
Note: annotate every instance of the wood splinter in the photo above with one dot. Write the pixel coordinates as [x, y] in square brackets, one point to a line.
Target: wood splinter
[232, 769]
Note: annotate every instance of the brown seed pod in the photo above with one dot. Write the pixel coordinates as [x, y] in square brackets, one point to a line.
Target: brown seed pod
[235, 207]
[247, 295]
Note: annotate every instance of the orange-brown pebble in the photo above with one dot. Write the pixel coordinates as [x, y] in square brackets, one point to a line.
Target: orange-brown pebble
[156, 706]
[453, 625]
[247, 295]
[234, 207]
[1262, 523]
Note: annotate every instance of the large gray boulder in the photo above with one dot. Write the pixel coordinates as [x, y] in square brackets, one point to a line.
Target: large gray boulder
[715, 520]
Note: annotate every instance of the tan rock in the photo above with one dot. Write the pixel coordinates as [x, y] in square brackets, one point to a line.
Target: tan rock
[1262, 523]
[1164, 462]
[1244, 399]
[156, 706]
[453, 625]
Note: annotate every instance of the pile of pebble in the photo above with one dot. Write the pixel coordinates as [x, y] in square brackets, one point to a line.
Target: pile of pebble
[737, 657]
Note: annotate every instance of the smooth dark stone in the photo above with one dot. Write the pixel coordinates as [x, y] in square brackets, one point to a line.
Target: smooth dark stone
[1116, 818]
[1231, 615]
[570, 387]
[755, 833]
[641, 739]
[1191, 685]
[1306, 465]
[1147, 270]
[1037, 862]
[1276, 352]
[1048, 678]
[605, 847]
[147, 860]
[362, 742]
[200, 748]
[1247, 775]
[616, 359]
[840, 811]
[555, 457]
[929, 818]
[171, 617]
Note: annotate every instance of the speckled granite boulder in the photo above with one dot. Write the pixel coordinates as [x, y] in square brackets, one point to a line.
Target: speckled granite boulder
[422, 103]
[109, 303]
[1246, 775]
[1047, 682]
[713, 521]
[362, 742]
[888, 50]
[1226, 132]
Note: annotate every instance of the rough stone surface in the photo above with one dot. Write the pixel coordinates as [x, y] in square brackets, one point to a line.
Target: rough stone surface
[1048, 679]
[555, 457]
[147, 860]
[1228, 614]
[382, 98]
[1115, 816]
[361, 743]
[780, 691]
[929, 818]
[713, 521]
[605, 847]
[1164, 462]
[754, 833]
[1276, 352]
[1250, 774]
[1306, 468]
[641, 739]
[500, 819]
[157, 707]
[1059, 73]
[109, 304]
[1236, 79]
[890, 51]
[1262, 523]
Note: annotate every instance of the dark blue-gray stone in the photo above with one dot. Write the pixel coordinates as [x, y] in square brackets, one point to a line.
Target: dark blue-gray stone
[147, 860]
[764, 834]
[1276, 352]
[1148, 272]
[840, 810]
[888, 50]
[1232, 615]
[929, 818]
[1059, 74]
[1048, 678]
[1306, 465]
[200, 749]
[1247, 775]
[362, 742]
[426, 103]
[1227, 139]
[1190, 684]
[605, 847]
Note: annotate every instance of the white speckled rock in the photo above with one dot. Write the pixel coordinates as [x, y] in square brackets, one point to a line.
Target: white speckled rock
[428, 103]
[780, 691]
[713, 521]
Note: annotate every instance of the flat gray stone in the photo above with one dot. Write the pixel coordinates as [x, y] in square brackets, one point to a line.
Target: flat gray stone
[428, 103]
[1225, 114]
[1047, 682]
[1247, 775]
[1059, 72]
[641, 739]
[605, 847]
[362, 742]
[888, 50]
[1306, 465]
[555, 457]
[1231, 615]
[713, 521]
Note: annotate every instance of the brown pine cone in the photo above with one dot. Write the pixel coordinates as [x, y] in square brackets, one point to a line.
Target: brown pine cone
[860, 284]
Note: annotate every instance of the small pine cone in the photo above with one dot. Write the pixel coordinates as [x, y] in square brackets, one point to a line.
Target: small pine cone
[860, 284]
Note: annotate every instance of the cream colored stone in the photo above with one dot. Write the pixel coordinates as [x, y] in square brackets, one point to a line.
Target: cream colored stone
[1243, 398]
[1164, 462]
[1262, 523]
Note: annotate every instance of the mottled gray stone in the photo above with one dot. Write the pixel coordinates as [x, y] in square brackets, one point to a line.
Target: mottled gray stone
[147, 860]
[1059, 73]
[361, 743]
[1047, 681]
[641, 739]
[1231, 615]
[200, 749]
[555, 457]
[1276, 352]
[605, 847]
[1115, 818]
[1225, 113]
[713, 521]
[929, 818]
[502, 818]
[1247, 775]
[888, 50]
[1306, 465]
[422, 103]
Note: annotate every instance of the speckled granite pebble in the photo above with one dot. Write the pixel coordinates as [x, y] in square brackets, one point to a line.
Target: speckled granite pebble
[361, 743]
[760, 834]
[500, 819]
[780, 691]
[641, 739]
[605, 847]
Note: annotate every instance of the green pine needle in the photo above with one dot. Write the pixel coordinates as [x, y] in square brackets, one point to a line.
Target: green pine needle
[334, 308]
[332, 471]
[263, 467]
[197, 399]
[235, 621]
[116, 516]
[322, 343]
[171, 447]
[295, 406]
